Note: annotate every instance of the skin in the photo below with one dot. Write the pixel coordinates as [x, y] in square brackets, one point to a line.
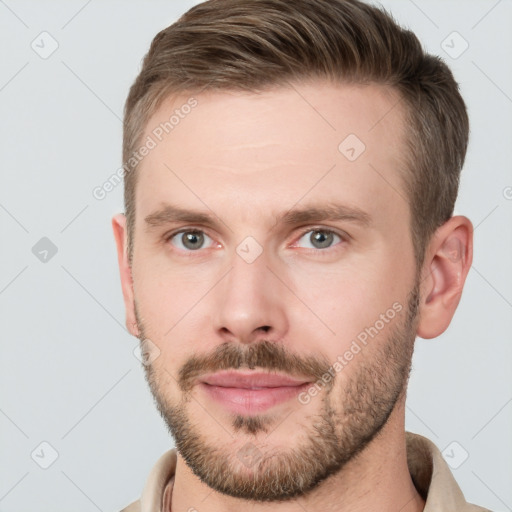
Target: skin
[247, 159]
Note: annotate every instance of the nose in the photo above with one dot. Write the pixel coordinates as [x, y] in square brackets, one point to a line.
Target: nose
[250, 303]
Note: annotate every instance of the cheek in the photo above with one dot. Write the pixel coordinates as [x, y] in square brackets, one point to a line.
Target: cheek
[165, 293]
[173, 305]
[350, 302]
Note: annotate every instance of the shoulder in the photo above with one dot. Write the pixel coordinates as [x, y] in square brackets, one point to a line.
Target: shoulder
[161, 472]
[433, 478]
[132, 507]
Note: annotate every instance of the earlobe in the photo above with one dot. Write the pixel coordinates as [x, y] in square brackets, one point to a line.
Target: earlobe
[447, 263]
[125, 271]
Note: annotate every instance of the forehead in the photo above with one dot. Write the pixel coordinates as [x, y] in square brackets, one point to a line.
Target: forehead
[274, 148]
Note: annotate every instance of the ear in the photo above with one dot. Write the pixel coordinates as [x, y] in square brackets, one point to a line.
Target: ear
[447, 262]
[120, 235]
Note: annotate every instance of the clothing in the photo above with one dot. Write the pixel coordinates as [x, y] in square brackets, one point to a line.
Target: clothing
[429, 471]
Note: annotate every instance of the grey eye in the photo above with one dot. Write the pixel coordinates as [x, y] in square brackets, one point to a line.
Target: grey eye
[319, 238]
[190, 240]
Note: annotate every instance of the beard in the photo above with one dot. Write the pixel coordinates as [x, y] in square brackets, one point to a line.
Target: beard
[349, 419]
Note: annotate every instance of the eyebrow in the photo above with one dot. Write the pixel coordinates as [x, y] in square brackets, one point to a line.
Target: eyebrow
[331, 211]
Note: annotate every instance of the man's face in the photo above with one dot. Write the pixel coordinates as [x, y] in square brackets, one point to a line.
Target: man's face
[255, 289]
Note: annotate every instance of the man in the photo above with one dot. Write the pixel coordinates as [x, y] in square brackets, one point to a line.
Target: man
[291, 171]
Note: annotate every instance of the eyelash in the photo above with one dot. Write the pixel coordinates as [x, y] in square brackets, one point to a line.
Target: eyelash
[343, 236]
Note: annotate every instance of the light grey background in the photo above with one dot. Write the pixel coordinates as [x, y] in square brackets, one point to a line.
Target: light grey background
[68, 374]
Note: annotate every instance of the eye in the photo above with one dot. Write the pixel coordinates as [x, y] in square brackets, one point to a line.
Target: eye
[189, 240]
[319, 238]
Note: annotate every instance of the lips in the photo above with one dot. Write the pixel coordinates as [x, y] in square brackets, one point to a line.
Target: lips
[250, 393]
[252, 380]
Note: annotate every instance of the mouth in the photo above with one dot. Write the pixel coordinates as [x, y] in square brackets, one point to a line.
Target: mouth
[251, 393]
[251, 380]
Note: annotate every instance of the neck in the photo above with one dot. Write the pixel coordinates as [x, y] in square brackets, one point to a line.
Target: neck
[377, 479]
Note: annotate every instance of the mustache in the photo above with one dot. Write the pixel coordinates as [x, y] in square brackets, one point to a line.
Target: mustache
[264, 355]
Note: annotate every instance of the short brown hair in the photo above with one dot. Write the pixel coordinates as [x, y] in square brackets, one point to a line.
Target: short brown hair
[256, 44]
